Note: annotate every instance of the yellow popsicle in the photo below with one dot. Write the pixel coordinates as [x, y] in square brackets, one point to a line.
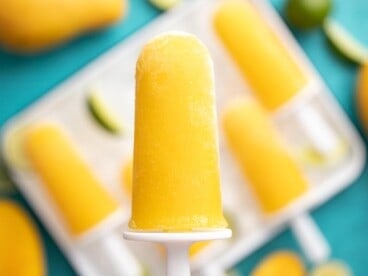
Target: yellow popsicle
[176, 183]
[264, 62]
[272, 173]
[78, 195]
[21, 252]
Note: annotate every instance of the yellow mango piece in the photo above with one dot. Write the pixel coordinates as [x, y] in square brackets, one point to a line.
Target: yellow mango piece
[28, 26]
[21, 251]
[362, 96]
[281, 263]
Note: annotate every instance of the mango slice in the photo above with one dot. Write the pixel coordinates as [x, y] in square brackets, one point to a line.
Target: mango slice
[29, 26]
[21, 251]
[281, 263]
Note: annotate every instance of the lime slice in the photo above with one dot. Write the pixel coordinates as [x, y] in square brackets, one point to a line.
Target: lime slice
[344, 42]
[103, 114]
[164, 4]
[307, 13]
[310, 157]
[332, 268]
[14, 149]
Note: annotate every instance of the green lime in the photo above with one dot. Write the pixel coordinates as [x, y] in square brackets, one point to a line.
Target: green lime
[344, 42]
[103, 114]
[310, 157]
[164, 4]
[307, 14]
[331, 268]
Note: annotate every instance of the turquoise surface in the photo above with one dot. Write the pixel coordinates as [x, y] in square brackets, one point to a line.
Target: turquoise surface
[343, 220]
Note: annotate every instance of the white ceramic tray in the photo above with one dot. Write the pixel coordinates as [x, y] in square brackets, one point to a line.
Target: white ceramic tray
[106, 154]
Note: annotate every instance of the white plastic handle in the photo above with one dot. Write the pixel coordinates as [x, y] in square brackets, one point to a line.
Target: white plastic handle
[323, 138]
[177, 245]
[310, 238]
[177, 262]
[110, 256]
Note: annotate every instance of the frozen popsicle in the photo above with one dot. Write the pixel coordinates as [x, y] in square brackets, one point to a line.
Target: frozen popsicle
[89, 213]
[176, 182]
[78, 195]
[273, 74]
[273, 175]
[258, 53]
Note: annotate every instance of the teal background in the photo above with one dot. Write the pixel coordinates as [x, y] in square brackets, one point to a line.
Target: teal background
[343, 220]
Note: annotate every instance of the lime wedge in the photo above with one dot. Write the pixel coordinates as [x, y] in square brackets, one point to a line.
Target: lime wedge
[103, 114]
[307, 14]
[332, 268]
[310, 157]
[164, 4]
[14, 148]
[344, 42]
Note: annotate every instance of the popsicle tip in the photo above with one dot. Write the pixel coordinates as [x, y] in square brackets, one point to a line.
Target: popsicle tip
[161, 43]
[174, 55]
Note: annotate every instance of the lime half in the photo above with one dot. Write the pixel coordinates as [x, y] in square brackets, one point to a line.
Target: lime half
[164, 4]
[332, 268]
[103, 114]
[307, 13]
[344, 42]
[310, 157]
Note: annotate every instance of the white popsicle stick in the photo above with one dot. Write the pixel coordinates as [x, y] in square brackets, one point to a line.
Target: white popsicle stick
[310, 238]
[111, 256]
[323, 138]
[177, 245]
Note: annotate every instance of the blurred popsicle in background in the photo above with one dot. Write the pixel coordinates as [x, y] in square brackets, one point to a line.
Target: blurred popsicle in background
[274, 75]
[273, 175]
[90, 214]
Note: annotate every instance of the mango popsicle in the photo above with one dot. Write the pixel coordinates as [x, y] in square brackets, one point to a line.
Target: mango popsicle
[78, 195]
[176, 183]
[273, 74]
[86, 208]
[258, 53]
[273, 175]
